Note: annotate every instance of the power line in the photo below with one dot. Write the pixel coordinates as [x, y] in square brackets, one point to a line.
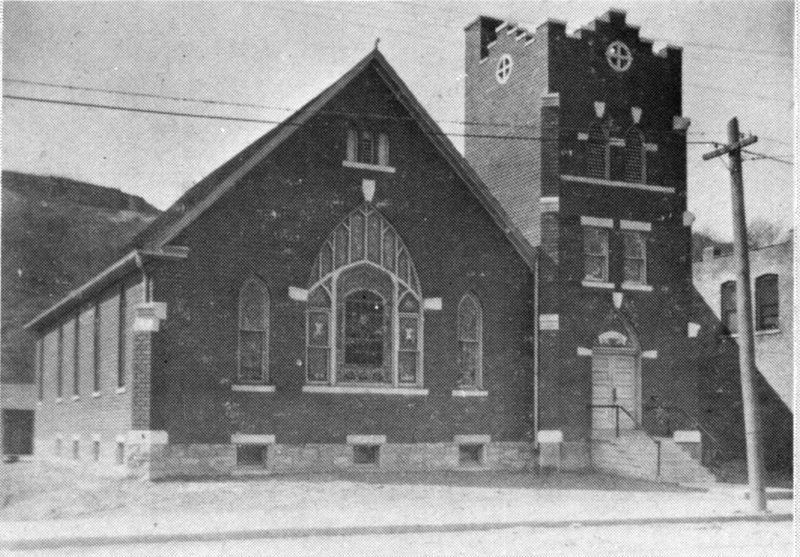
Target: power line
[759, 156]
[219, 102]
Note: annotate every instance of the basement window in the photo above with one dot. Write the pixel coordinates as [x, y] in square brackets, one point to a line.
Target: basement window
[76, 450]
[251, 455]
[96, 451]
[366, 454]
[470, 455]
[120, 453]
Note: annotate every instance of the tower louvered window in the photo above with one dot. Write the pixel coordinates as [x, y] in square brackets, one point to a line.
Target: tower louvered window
[635, 160]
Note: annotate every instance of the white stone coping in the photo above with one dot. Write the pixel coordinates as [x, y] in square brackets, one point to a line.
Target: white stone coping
[692, 329]
[96, 394]
[635, 225]
[244, 388]
[147, 437]
[617, 184]
[366, 166]
[76, 398]
[650, 354]
[59, 400]
[467, 393]
[472, 439]
[550, 436]
[120, 439]
[597, 284]
[96, 437]
[764, 332]
[120, 390]
[366, 439]
[687, 436]
[364, 390]
[549, 204]
[583, 351]
[549, 322]
[298, 294]
[597, 221]
[432, 304]
[252, 439]
[637, 286]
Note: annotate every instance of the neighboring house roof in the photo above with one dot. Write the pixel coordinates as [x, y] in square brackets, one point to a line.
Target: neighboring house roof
[211, 188]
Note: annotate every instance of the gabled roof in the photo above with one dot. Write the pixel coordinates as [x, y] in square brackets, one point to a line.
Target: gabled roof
[206, 192]
[156, 237]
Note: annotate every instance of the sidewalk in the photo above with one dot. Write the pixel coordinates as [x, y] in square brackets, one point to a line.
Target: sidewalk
[303, 508]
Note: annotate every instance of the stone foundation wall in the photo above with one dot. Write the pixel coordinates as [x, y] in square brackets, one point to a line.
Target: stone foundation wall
[174, 460]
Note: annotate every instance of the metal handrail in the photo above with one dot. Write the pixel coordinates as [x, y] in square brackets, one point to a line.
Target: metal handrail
[617, 408]
[692, 419]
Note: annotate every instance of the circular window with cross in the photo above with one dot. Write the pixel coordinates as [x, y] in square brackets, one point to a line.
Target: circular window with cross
[619, 56]
[504, 68]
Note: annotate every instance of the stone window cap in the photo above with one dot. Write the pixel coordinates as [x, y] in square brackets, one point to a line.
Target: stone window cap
[469, 393]
[146, 437]
[252, 439]
[597, 221]
[472, 439]
[635, 225]
[638, 286]
[366, 439]
[365, 390]
[687, 436]
[246, 388]
[550, 436]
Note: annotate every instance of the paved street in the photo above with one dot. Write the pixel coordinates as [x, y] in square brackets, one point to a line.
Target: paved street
[706, 540]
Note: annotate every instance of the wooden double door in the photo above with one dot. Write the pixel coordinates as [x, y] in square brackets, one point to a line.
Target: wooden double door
[616, 380]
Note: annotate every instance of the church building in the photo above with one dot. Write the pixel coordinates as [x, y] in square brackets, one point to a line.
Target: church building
[351, 291]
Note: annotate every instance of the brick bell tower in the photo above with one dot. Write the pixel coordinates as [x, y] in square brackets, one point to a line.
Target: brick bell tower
[581, 138]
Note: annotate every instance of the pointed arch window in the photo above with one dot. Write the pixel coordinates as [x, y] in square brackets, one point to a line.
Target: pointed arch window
[253, 332]
[635, 156]
[598, 151]
[470, 340]
[364, 315]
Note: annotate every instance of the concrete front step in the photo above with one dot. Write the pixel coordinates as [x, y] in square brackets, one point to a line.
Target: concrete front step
[635, 454]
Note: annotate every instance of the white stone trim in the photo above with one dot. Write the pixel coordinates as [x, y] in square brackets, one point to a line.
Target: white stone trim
[76, 398]
[767, 332]
[650, 354]
[120, 439]
[468, 439]
[651, 147]
[367, 166]
[617, 298]
[120, 390]
[617, 184]
[76, 437]
[687, 436]
[688, 218]
[692, 329]
[597, 284]
[637, 286]
[253, 388]
[583, 351]
[482, 60]
[635, 225]
[298, 294]
[147, 437]
[59, 400]
[96, 438]
[616, 142]
[467, 393]
[550, 436]
[680, 122]
[252, 439]
[583, 136]
[366, 439]
[96, 394]
[549, 322]
[432, 304]
[549, 204]
[364, 390]
[490, 45]
[597, 221]
[551, 99]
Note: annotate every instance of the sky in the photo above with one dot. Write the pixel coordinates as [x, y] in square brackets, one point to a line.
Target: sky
[738, 61]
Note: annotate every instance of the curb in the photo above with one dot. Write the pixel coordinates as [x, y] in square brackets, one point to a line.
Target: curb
[334, 531]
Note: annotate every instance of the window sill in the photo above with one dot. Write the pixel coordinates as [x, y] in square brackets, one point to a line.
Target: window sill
[76, 398]
[594, 284]
[363, 390]
[467, 393]
[367, 166]
[120, 390]
[637, 286]
[767, 332]
[616, 183]
[244, 388]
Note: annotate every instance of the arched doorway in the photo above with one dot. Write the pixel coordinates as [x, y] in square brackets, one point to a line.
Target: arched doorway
[616, 380]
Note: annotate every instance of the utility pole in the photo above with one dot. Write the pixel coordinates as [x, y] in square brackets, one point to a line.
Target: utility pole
[744, 315]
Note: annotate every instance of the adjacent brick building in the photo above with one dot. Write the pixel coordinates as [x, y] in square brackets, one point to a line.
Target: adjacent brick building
[772, 273]
[348, 291]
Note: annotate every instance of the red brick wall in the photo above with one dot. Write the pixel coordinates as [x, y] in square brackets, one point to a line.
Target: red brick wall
[272, 224]
[107, 415]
